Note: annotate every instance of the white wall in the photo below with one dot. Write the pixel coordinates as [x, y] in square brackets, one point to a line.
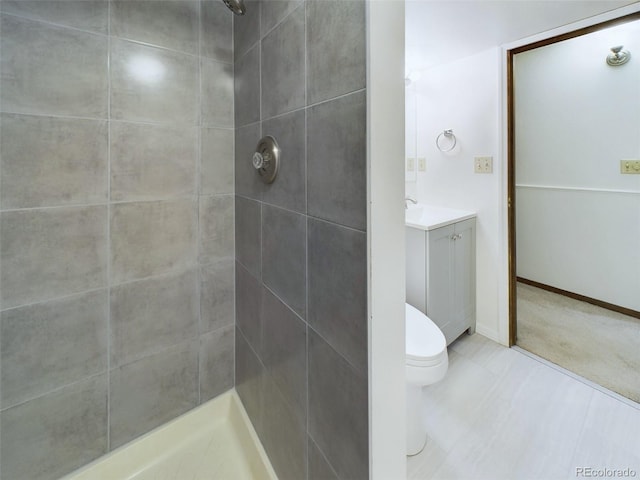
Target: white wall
[385, 237]
[578, 218]
[452, 183]
[464, 96]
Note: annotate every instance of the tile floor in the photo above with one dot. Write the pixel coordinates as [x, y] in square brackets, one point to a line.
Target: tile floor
[500, 414]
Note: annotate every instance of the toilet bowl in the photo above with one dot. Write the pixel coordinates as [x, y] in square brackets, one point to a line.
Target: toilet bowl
[426, 363]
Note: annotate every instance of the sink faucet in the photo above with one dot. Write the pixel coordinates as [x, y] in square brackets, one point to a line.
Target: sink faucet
[407, 200]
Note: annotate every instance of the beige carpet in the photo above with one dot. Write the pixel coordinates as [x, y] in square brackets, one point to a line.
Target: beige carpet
[598, 344]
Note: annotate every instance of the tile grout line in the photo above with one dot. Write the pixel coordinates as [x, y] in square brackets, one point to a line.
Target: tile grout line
[53, 391]
[264, 367]
[149, 123]
[176, 125]
[54, 299]
[261, 348]
[61, 26]
[198, 190]
[311, 217]
[108, 242]
[324, 456]
[233, 158]
[306, 242]
[158, 350]
[176, 198]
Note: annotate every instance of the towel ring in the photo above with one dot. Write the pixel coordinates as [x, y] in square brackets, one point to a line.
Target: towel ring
[449, 135]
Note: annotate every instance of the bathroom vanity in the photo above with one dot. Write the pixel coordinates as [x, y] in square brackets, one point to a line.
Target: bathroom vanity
[441, 267]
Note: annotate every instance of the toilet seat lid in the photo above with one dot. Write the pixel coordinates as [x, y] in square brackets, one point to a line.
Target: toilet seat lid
[424, 340]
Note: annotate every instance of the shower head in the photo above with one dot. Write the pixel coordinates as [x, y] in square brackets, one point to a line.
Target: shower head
[618, 56]
[236, 6]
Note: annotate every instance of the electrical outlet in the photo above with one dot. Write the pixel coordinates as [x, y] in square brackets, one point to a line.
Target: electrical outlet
[411, 164]
[483, 164]
[422, 164]
[630, 166]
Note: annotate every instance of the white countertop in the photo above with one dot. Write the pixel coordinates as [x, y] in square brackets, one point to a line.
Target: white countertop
[428, 217]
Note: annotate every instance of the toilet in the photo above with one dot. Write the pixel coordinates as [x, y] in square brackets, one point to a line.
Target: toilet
[426, 363]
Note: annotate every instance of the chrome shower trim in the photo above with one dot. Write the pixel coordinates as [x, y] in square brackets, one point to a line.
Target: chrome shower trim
[236, 6]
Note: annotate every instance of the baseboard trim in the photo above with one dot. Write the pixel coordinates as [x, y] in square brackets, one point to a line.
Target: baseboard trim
[576, 296]
[489, 333]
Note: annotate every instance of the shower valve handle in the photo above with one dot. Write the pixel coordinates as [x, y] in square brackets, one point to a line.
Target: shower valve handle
[259, 161]
[266, 158]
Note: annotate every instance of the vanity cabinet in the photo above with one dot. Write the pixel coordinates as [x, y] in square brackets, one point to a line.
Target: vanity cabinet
[441, 275]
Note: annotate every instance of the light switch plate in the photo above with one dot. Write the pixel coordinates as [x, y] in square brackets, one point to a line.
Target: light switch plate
[411, 164]
[422, 164]
[630, 166]
[483, 164]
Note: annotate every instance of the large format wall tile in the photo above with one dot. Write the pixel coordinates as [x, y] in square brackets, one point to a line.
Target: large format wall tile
[247, 88]
[250, 378]
[247, 180]
[217, 297]
[217, 93]
[151, 314]
[274, 11]
[284, 256]
[150, 162]
[51, 344]
[283, 67]
[50, 253]
[249, 294]
[153, 390]
[150, 238]
[338, 288]
[289, 190]
[150, 84]
[246, 28]
[216, 362]
[338, 413]
[166, 23]
[312, 99]
[216, 31]
[319, 468]
[52, 435]
[336, 48]
[216, 228]
[337, 161]
[283, 435]
[248, 234]
[217, 161]
[52, 70]
[89, 15]
[49, 161]
[284, 350]
[117, 169]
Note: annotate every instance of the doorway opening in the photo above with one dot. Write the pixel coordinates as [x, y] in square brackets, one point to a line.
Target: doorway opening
[573, 213]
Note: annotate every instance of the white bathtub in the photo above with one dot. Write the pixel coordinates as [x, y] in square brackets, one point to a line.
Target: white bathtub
[213, 441]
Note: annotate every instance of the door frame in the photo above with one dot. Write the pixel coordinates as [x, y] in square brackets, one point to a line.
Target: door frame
[511, 152]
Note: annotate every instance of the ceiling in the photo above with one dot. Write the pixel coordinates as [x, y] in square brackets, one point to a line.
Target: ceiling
[440, 31]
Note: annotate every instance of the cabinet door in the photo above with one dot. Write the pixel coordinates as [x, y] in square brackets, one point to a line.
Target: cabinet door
[464, 297]
[440, 277]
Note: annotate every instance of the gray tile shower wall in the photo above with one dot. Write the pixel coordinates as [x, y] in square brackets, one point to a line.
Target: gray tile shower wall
[117, 223]
[301, 267]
